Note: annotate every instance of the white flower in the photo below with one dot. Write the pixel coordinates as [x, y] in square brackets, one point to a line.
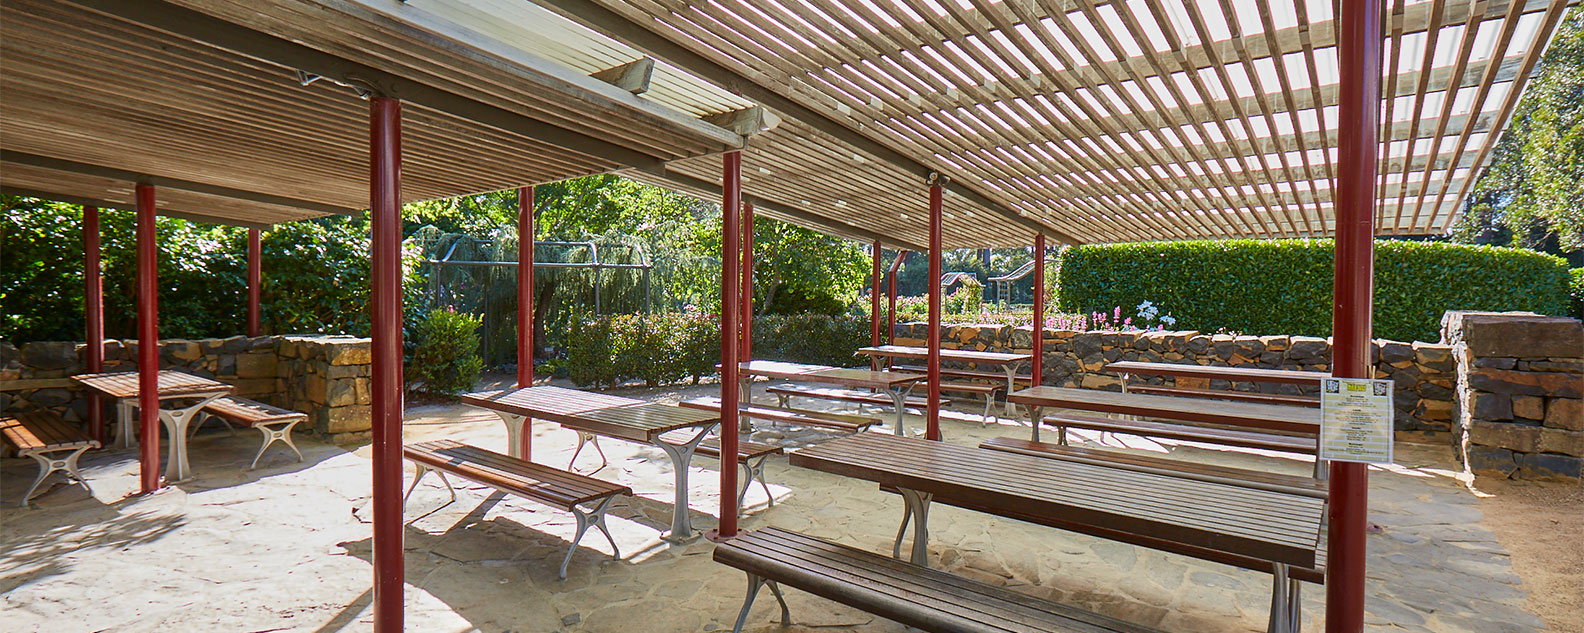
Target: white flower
[1168, 320]
[1143, 306]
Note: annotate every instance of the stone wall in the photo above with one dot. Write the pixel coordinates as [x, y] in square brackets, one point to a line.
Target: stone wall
[1424, 373]
[1520, 383]
[324, 376]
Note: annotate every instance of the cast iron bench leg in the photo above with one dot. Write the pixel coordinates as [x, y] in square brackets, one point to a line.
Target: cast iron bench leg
[48, 465]
[595, 517]
[424, 470]
[275, 435]
[751, 471]
[1285, 612]
[754, 582]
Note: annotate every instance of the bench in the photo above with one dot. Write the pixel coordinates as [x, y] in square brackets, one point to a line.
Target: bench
[799, 417]
[42, 436]
[969, 374]
[1219, 394]
[274, 422]
[979, 389]
[545, 484]
[1300, 444]
[784, 392]
[913, 595]
[751, 457]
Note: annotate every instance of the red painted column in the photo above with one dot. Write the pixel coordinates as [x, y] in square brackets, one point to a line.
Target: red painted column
[731, 204]
[93, 311]
[874, 297]
[892, 296]
[386, 351]
[255, 277]
[525, 306]
[1359, 54]
[1037, 367]
[148, 341]
[932, 411]
[745, 345]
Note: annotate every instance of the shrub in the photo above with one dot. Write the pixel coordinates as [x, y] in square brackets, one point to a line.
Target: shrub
[810, 338]
[1284, 286]
[1576, 291]
[446, 359]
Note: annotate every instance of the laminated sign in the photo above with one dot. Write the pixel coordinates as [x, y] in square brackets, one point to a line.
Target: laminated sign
[1356, 420]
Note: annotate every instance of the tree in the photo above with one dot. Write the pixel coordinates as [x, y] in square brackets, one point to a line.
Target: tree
[1532, 194]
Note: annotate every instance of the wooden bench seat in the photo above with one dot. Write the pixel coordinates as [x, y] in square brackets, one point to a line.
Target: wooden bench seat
[798, 417]
[1305, 445]
[1222, 394]
[41, 435]
[783, 392]
[970, 374]
[274, 422]
[1132, 460]
[913, 595]
[545, 484]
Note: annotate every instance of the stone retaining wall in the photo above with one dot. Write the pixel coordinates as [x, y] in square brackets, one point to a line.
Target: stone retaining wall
[1520, 382]
[324, 376]
[1424, 373]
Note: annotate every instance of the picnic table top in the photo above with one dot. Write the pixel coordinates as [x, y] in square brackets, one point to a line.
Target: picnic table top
[172, 384]
[1260, 524]
[602, 414]
[1234, 374]
[905, 351]
[1275, 417]
[862, 378]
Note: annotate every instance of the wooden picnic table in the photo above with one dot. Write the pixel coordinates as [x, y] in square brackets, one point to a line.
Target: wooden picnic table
[1143, 508]
[1271, 417]
[1010, 363]
[1214, 372]
[894, 383]
[194, 391]
[595, 414]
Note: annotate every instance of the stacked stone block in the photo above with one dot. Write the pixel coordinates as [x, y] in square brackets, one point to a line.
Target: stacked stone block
[1520, 390]
[326, 377]
[1424, 373]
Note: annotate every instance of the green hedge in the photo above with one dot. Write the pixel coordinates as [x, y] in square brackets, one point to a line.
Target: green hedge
[667, 348]
[1576, 290]
[1284, 286]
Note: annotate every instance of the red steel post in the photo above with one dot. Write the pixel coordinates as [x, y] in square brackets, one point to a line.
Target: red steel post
[1359, 54]
[93, 311]
[255, 276]
[731, 205]
[874, 297]
[891, 297]
[932, 410]
[386, 352]
[745, 317]
[148, 341]
[525, 306]
[1037, 366]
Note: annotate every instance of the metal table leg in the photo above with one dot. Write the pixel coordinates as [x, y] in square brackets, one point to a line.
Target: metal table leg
[1011, 370]
[681, 456]
[917, 512]
[176, 422]
[1283, 601]
[745, 398]
[899, 403]
[1036, 414]
[125, 437]
[514, 429]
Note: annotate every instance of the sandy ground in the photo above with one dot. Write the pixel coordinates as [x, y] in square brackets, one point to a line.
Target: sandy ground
[286, 547]
[1542, 526]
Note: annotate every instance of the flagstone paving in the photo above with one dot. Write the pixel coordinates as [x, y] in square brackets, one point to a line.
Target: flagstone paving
[286, 547]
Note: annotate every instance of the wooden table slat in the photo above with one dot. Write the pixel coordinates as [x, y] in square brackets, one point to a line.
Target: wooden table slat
[957, 355]
[172, 384]
[1273, 417]
[1217, 372]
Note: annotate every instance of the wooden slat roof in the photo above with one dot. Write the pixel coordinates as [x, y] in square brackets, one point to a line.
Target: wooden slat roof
[205, 99]
[1103, 120]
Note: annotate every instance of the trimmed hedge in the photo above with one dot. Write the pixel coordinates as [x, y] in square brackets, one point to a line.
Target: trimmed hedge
[1284, 286]
[1576, 290]
[668, 348]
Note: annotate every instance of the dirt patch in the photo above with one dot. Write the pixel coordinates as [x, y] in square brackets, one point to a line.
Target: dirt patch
[1541, 525]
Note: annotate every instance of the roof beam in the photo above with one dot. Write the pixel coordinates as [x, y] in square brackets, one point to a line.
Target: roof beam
[240, 39]
[633, 76]
[593, 15]
[835, 227]
[747, 121]
[104, 204]
[85, 169]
